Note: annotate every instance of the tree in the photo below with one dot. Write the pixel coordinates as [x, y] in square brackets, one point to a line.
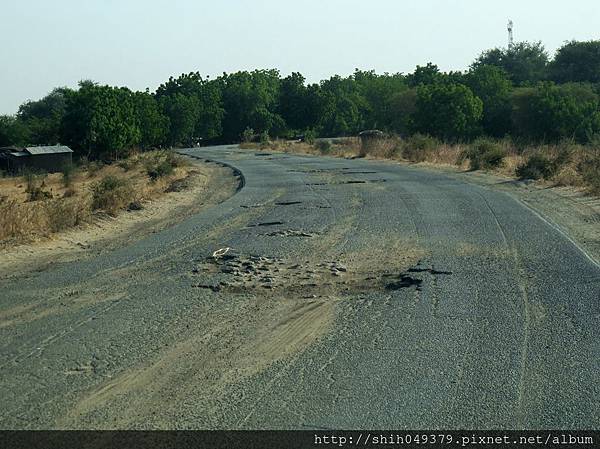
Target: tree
[402, 107]
[13, 131]
[209, 124]
[492, 86]
[425, 75]
[525, 63]
[153, 124]
[294, 102]
[577, 62]
[43, 117]
[378, 91]
[250, 99]
[205, 96]
[448, 111]
[182, 112]
[343, 108]
[100, 120]
[550, 113]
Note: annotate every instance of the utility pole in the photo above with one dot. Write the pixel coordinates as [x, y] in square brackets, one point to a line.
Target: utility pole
[511, 40]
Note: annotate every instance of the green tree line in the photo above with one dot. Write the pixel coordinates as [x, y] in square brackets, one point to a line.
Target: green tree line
[518, 91]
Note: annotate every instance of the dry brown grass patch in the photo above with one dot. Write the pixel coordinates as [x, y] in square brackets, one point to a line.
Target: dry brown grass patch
[93, 189]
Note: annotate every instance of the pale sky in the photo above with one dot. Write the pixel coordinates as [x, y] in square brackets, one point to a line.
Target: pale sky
[140, 43]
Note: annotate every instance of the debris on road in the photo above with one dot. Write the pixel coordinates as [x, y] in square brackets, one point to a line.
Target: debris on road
[291, 233]
[220, 252]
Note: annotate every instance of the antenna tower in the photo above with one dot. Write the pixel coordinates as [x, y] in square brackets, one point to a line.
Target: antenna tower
[511, 40]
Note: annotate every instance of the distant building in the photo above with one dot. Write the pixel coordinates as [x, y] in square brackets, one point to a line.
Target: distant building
[43, 158]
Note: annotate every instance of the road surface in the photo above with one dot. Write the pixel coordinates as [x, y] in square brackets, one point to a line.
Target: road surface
[355, 294]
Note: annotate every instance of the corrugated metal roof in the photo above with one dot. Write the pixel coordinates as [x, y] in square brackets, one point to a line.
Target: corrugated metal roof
[48, 150]
[18, 153]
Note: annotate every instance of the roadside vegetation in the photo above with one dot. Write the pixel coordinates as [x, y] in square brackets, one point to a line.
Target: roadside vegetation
[514, 110]
[36, 205]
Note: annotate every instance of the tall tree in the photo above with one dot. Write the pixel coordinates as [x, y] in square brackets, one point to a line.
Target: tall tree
[378, 91]
[492, 86]
[13, 131]
[204, 96]
[43, 117]
[577, 62]
[524, 62]
[429, 74]
[101, 120]
[550, 113]
[182, 112]
[153, 124]
[449, 111]
[343, 107]
[294, 103]
[250, 100]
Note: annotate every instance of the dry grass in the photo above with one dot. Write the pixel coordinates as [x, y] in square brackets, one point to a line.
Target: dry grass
[94, 189]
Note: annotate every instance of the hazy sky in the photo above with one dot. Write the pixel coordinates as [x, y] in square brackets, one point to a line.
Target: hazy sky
[140, 43]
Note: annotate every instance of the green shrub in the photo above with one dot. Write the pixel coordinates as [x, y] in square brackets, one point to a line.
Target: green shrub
[162, 164]
[417, 146]
[484, 154]
[310, 136]
[324, 146]
[111, 194]
[264, 137]
[248, 135]
[163, 168]
[537, 166]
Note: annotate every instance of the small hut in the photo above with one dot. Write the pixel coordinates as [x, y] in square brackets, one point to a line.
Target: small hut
[43, 158]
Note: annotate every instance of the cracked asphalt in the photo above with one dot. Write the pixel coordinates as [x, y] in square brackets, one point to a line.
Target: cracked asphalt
[355, 294]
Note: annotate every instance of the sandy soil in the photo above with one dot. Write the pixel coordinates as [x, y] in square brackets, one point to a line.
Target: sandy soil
[207, 184]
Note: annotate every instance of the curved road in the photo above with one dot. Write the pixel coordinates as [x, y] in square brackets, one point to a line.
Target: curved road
[356, 294]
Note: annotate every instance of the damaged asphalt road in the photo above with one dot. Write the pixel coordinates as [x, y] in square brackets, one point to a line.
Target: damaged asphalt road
[355, 294]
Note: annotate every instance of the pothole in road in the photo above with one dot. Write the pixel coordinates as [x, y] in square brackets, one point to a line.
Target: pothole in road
[428, 270]
[291, 233]
[319, 170]
[287, 203]
[404, 281]
[238, 273]
[266, 223]
[351, 181]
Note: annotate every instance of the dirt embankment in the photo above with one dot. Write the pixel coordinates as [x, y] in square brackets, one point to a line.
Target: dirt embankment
[138, 207]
